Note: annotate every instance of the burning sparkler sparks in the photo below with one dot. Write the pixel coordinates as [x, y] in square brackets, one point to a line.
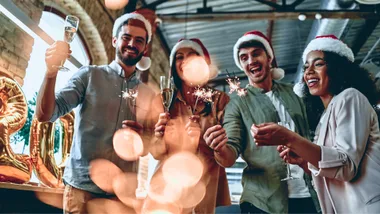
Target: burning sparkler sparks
[234, 84]
[241, 92]
[204, 94]
[129, 94]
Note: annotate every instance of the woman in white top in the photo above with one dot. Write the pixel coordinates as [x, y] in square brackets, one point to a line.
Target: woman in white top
[344, 158]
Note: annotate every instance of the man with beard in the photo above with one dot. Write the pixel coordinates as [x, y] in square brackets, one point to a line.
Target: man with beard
[265, 100]
[102, 108]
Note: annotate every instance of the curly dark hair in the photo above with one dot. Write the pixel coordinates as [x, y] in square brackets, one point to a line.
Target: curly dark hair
[342, 74]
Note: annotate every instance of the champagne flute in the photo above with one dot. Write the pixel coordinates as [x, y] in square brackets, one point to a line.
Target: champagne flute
[70, 30]
[288, 172]
[167, 89]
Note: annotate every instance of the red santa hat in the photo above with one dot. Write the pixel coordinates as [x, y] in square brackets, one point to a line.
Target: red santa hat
[198, 46]
[323, 43]
[145, 62]
[329, 43]
[277, 73]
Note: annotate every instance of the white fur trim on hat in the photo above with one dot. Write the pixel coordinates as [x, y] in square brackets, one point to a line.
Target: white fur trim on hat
[185, 44]
[331, 45]
[119, 21]
[247, 38]
[214, 71]
[144, 63]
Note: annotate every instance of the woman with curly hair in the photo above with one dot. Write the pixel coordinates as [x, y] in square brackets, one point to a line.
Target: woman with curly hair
[344, 157]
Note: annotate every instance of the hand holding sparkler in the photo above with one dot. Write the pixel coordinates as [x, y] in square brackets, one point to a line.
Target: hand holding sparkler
[215, 137]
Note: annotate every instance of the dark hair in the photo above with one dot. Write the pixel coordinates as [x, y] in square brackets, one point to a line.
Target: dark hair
[252, 43]
[342, 74]
[126, 23]
[173, 72]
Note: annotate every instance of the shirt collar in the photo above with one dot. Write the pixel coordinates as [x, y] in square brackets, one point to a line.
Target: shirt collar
[260, 90]
[119, 70]
[179, 96]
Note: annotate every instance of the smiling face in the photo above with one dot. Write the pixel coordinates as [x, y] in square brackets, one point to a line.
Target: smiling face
[130, 44]
[315, 74]
[256, 64]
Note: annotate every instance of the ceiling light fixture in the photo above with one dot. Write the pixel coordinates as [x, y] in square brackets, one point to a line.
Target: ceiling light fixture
[302, 17]
[318, 16]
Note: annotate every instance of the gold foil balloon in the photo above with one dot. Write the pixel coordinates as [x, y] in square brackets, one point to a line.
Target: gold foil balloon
[13, 114]
[42, 149]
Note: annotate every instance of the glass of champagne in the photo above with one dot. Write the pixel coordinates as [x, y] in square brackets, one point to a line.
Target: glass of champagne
[70, 30]
[167, 89]
[288, 172]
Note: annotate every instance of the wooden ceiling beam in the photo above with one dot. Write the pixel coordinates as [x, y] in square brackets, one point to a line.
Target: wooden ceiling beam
[153, 5]
[267, 15]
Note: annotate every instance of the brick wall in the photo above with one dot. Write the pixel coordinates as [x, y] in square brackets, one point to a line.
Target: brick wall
[96, 27]
[15, 44]
[160, 62]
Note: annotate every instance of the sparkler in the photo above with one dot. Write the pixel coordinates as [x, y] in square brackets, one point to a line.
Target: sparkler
[234, 84]
[130, 94]
[204, 94]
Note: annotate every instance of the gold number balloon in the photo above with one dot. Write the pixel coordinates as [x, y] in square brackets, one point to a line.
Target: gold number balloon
[13, 113]
[42, 149]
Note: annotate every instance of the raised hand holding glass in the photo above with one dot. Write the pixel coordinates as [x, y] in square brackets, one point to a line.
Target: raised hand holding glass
[70, 30]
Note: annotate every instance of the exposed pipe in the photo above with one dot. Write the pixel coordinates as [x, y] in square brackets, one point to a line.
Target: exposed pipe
[370, 51]
[322, 27]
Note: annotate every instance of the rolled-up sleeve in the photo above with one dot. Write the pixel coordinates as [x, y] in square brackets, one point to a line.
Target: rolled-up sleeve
[71, 95]
[234, 127]
[353, 119]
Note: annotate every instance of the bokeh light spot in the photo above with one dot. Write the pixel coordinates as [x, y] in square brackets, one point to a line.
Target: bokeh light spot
[102, 173]
[196, 70]
[128, 144]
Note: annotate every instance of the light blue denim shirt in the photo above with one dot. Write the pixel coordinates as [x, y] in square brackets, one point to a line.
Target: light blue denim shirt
[97, 91]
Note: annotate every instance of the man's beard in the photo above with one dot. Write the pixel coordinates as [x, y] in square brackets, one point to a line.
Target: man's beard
[129, 60]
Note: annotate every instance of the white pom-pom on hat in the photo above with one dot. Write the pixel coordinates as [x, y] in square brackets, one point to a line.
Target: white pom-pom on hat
[144, 63]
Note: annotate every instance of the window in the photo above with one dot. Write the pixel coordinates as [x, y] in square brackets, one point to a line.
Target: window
[52, 24]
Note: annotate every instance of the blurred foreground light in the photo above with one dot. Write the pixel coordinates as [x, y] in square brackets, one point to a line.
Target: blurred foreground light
[128, 144]
[161, 192]
[196, 70]
[54, 200]
[116, 4]
[103, 172]
[182, 170]
[124, 186]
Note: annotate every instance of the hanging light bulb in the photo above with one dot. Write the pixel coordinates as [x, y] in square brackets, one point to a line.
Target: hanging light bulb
[318, 16]
[302, 17]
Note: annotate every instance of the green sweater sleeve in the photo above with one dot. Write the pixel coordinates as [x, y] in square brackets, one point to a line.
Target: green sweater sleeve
[233, 124]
